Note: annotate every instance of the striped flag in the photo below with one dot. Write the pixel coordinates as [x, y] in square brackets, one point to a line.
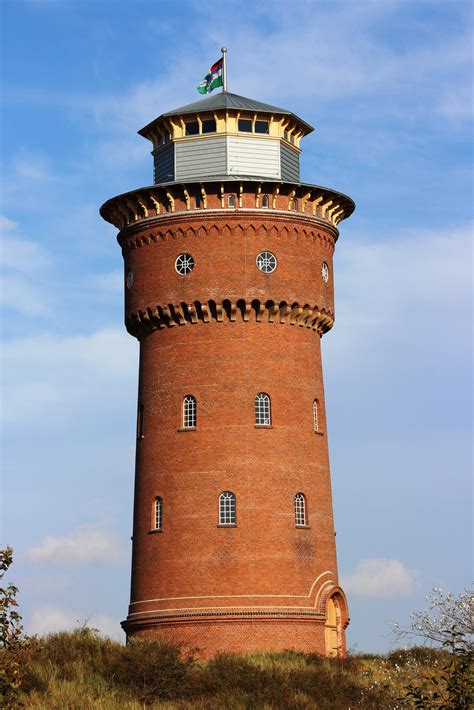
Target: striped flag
[214, 79]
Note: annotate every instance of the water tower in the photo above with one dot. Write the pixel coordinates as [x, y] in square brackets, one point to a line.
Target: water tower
[229, 289]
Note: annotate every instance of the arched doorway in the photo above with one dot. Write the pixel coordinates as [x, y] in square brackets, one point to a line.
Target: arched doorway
[332, 628]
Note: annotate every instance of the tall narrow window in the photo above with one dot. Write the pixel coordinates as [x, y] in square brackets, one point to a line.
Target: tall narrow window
[158, 513]
[315, 415]
[227, 508]
[300, 510]
[262, 410]
[265, 201]
[141, 421]
[189, 412]
[231, 200]
[295, 204]
[198, 202]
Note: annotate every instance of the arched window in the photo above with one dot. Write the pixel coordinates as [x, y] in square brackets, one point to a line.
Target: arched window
[231, 200]
[141, 421]
[315, 415]
[300, 509]
[265, 201]
[189, 412]
[227, 508]
[262, 410]
[198, 202]
[295, 204]
[158, 513]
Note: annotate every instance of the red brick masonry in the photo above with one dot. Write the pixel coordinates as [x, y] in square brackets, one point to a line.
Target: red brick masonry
[224, 333]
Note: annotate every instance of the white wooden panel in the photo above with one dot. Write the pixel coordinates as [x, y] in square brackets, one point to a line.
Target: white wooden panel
[253, 156]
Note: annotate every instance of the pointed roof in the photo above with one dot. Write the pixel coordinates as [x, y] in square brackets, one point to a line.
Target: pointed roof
[226, 100]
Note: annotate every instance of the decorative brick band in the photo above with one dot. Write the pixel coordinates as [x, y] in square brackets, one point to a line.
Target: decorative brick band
[243, 615]
[167, 316]
[189, 225]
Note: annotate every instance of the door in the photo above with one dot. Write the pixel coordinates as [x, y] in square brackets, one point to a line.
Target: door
[331, 635]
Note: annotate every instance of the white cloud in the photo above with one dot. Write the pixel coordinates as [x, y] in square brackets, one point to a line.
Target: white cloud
[49, 379]
[22, 262]
[18, 294]
[110, 283]
[46, 620]
[390, 290]
[379, 578]
[89, 543]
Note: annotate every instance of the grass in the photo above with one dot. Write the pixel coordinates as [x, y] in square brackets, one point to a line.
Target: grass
[81, 669]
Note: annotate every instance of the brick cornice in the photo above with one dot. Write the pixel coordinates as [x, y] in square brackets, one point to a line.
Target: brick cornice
[160, 316]
[165, 200]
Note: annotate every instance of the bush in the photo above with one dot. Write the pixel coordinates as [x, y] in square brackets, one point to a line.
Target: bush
[151, 670]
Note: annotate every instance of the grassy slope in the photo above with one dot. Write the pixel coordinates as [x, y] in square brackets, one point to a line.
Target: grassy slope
[83, 670]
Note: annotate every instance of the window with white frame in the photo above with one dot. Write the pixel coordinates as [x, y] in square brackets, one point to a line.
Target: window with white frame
[227, 508]
[231, 200]
[189, 412]
[265, 201]
[315, 415]
[266, 262]
[262, 410]
[158, 513]
[300, 509]
[184, 264]
[141, 421]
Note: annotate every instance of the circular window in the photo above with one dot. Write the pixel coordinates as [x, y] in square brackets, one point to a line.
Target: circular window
[266, 262]
[129, 277]
[184, 264]
[325, 272]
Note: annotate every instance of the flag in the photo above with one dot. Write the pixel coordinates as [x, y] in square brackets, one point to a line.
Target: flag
[214, 79]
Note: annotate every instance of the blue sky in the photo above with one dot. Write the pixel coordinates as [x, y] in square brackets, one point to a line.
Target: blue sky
[388, 85]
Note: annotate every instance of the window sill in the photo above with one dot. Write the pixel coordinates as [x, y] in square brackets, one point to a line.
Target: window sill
[155, 530]
[227, 525]
[187, 428]
[303, 527]
[263, 426]
[319, 433]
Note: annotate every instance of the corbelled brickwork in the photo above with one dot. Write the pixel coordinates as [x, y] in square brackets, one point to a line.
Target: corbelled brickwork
[223, 333]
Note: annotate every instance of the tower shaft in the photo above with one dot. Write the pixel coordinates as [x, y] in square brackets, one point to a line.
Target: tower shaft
[229, 289]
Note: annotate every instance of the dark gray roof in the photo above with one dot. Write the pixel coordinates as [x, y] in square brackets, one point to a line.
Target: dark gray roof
[227, 100]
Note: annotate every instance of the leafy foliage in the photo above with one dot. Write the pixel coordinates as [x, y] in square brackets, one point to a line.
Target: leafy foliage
[435, 624]
[11, 637]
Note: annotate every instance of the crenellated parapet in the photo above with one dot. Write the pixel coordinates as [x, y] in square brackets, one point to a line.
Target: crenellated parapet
[233, 196]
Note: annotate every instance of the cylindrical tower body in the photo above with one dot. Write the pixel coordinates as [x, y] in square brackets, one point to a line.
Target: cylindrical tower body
[229, 288]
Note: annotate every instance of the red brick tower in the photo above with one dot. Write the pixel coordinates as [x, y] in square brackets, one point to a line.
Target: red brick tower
[229, 288]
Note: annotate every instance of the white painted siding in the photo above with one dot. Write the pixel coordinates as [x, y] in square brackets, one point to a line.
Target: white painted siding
[253, 156]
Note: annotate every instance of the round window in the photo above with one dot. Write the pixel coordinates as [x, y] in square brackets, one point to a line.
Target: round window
[184, 264]
[266, 262]
[325, 272]
[129, 277]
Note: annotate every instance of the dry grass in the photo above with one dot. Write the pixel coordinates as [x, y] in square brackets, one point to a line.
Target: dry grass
[77, 670]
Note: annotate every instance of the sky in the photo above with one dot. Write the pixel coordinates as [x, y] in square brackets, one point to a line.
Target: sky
[388, 86]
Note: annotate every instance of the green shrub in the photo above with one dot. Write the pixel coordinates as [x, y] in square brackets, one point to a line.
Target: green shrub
[151, 670]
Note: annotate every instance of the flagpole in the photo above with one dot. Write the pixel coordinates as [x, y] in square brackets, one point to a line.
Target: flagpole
[224, 68]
